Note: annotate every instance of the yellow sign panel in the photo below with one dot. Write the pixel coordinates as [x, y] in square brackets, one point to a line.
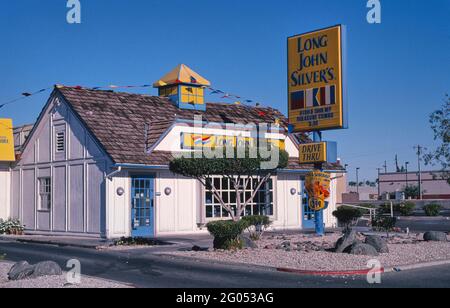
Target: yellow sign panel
[6, 140]
[198, 141]
[313, 153]
[317, 185]
[315, 63]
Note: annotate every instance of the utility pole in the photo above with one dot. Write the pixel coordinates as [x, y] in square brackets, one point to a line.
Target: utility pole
[357, 180]
[419, 154]
[385, 166]
[379, 188]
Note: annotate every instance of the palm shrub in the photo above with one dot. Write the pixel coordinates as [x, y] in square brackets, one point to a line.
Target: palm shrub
[257, 225]
[432, 209]
[226, 233]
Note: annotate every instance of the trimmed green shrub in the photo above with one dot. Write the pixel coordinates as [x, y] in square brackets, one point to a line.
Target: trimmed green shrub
[256, 225]
[405, 208]
[432, 209]
[137, 241]
[347, 215]
[226, 233]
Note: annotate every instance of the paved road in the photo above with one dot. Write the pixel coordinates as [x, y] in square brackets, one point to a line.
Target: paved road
[423, 225]
[144, 269]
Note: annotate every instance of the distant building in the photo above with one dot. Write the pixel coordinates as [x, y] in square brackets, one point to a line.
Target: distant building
[433, 184]
[362, 193]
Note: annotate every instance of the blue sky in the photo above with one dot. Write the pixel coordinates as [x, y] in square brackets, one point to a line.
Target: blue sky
[398, 72]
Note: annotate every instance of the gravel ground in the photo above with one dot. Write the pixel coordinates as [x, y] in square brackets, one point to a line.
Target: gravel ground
[404, 250]
[53, 282]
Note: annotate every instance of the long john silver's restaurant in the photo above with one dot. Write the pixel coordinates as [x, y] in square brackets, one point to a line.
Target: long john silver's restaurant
[96, 164]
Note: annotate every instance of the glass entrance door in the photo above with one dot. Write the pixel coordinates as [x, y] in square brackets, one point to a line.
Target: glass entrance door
[307, 214]
[142, 206]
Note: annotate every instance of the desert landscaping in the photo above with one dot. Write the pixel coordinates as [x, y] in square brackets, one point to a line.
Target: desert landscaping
[308, 252]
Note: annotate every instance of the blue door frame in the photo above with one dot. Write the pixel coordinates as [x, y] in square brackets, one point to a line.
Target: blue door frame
[308, 215]
[142, 206]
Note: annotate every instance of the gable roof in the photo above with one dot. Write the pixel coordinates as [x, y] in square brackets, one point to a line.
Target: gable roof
[126, 125]
[118, 120]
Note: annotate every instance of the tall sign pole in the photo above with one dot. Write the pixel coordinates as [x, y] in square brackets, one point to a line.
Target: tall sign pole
[319, 222]
[317, 102]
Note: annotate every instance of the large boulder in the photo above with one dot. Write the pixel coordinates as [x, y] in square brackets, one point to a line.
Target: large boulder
[363, 250]
[346, 241]
[378, 243]
[247, 242]
[20, 270]
[47, 268]
[434, 236]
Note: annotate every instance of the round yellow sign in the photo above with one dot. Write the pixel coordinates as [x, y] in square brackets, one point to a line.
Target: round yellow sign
[317, 184]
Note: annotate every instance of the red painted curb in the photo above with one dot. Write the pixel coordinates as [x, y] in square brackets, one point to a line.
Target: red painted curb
[331, 273]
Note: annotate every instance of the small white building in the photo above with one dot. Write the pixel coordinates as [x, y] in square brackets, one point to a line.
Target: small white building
[96, 164]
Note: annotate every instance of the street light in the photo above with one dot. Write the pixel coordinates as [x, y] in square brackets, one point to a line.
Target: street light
[357, 180]
[379, 188]
[406, 165]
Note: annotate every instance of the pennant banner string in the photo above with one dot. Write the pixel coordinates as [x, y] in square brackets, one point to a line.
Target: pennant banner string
[24, 96]
[214, 91]
[231, 96]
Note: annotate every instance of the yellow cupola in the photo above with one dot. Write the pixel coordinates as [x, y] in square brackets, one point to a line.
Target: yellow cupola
[184, 87]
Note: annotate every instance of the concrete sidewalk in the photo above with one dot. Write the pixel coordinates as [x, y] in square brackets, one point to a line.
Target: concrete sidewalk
[168, 243]
[79, 242]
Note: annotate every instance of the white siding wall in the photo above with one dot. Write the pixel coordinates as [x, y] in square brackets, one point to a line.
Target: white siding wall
[118, 209]
[5, 192]
[177, 212]
[329, 220]
[287, 207]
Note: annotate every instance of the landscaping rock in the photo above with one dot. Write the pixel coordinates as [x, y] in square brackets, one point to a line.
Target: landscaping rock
[248, 242]
[363, 250]
[346, 241]
[47, 268]
[433, 236]
[378, 243]
[20, 270]
[284, 245]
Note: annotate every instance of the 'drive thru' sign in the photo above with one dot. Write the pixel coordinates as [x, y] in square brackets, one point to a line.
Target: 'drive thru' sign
[313, 153]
